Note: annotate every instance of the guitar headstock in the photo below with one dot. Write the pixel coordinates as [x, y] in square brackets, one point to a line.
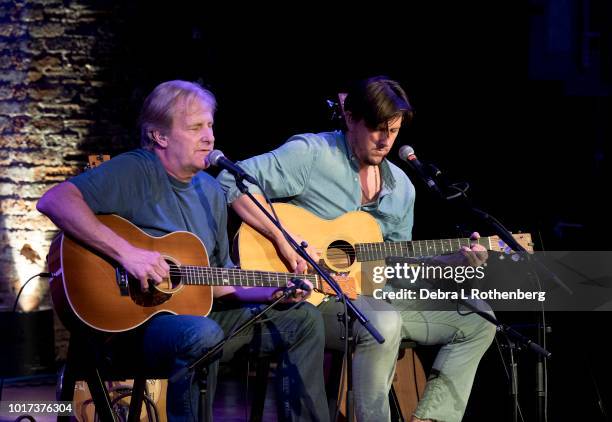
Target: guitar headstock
[346, 283]
[95, 160]
[336, 107]
[523, 239]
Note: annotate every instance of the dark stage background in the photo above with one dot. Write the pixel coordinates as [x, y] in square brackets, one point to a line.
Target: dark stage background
[505, 98]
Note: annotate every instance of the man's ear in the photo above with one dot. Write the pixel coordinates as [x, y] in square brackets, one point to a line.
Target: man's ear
[157, 137]
[348, 119]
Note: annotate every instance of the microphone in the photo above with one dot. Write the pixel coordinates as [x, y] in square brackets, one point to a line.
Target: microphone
[299, 283]
[217, 158]
[406, 153]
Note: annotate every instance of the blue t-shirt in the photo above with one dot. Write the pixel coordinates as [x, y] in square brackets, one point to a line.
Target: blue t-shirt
[136, 186]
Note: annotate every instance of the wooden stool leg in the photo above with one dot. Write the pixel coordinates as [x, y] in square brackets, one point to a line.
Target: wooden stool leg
[66, 382]
[99, 394]
[409, 382]
[67, 378]
[138, 391]
[333, 370]
[406, 390]
[261, 385]
[395, 407]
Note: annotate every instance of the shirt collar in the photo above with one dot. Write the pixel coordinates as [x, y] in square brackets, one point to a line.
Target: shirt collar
[385, 170]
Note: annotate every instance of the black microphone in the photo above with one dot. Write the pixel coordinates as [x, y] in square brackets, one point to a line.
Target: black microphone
[299, 283]
[216, 158]
[406, 153]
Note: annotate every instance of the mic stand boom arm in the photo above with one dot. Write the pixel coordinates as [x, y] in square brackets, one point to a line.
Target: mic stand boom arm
[507, 237]
[462, 203]
[201, 364]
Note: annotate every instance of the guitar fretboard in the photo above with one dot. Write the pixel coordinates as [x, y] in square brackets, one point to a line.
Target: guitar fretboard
[214, 276]
[414, 248]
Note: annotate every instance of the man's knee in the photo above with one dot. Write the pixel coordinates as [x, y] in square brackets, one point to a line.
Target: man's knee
[484, 331]
[490, 331]
[310, 321]
[199, 334]
[389, 325]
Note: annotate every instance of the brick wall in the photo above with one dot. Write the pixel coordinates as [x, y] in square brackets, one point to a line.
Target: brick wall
[59, 69]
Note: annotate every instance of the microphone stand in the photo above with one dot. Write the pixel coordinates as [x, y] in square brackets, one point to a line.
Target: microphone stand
[514, 337]
[202, 363]
[541, 388]
[353, 312]
[464, 205]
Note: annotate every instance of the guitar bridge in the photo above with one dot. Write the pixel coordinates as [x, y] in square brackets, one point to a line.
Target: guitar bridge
[122, 281]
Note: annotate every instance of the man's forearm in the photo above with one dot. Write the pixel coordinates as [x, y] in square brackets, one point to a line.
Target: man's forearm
[65, 206]
[253, 216]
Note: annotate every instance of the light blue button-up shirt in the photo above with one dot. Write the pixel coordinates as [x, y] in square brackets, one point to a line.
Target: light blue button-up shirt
[319, 173]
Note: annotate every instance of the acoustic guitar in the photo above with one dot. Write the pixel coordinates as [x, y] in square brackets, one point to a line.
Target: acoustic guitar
[88, 287]
[348, 244]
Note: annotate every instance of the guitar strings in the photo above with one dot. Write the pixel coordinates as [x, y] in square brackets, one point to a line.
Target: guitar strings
[413, 248]
[337, 252]
[342, 254]
[236, 274]
[408, 243]
[256, 276]
[180, 270]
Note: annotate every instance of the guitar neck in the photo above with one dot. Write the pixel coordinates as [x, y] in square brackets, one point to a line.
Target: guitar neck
[215, 276]
[414, 248]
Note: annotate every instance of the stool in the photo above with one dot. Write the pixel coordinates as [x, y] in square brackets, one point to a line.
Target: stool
[257, 368]
[407, 388]
[85, 363]
[408, 382]
[262, 369]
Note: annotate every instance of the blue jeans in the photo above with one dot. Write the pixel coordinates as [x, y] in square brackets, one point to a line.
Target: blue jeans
[165, 344]
[296, 336]
[174, 341]
[168, 343]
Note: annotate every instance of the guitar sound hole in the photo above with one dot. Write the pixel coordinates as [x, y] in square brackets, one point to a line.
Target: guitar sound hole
[175, 275]
[340, 254]
[161, 292]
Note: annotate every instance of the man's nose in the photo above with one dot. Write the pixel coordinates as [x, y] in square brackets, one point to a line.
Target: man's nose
[208, 137]
[383, 140]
